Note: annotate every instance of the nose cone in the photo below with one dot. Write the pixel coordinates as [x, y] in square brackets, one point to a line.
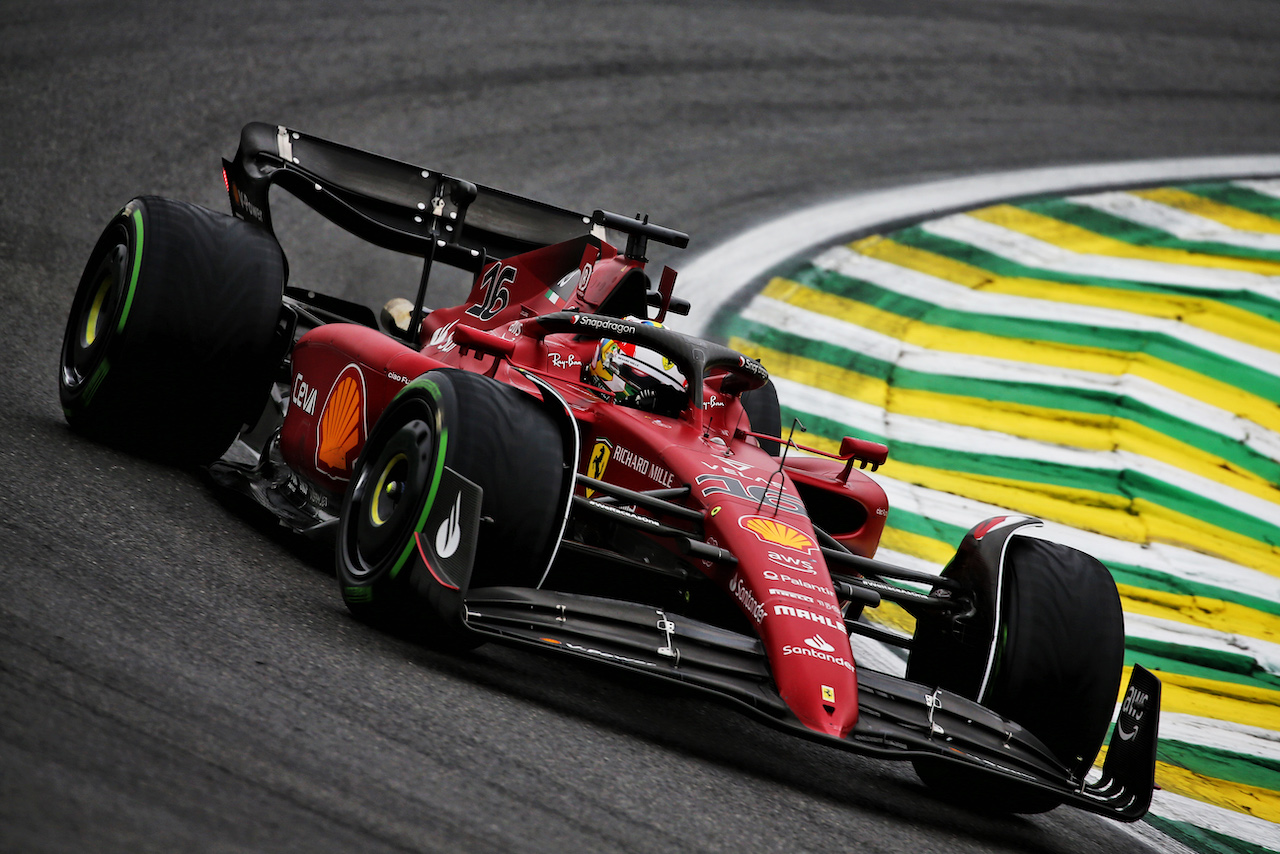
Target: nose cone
[815, 674]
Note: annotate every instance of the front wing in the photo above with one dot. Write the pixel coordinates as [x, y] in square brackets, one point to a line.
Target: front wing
[897, 719]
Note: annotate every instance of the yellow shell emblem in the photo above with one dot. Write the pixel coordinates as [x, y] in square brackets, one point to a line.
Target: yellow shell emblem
[777, 533]
[340, 426]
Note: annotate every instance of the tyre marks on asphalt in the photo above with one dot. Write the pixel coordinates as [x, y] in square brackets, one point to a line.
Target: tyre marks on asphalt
[1110, 362]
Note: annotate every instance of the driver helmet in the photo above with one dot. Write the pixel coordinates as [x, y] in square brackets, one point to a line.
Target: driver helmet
[638, 376]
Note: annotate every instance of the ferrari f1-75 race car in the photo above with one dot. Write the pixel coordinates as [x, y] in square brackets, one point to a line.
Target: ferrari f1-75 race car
[549, 465]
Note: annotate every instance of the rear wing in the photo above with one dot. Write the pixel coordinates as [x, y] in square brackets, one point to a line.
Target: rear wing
[402, 207]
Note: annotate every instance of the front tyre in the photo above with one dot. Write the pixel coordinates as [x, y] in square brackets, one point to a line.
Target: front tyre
[171, 341]
[494, 436]
[1050, 658]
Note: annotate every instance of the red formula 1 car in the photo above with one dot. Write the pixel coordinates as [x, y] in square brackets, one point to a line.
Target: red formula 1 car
[546, 465]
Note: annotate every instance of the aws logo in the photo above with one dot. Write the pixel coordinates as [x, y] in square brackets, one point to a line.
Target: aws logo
[797, 563]
[342, 430]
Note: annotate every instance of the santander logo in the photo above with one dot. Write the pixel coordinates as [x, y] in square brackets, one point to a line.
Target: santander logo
[819, 643]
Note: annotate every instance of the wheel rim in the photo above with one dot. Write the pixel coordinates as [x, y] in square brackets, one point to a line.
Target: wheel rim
[389, 491]
[91, 326]
[388, 498]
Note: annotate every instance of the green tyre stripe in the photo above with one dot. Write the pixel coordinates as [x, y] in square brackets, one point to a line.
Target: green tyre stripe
[426, 506]
[357, 594]
[95, 380]
[137, 268]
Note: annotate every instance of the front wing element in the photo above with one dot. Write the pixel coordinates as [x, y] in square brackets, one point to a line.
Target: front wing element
[897, 719]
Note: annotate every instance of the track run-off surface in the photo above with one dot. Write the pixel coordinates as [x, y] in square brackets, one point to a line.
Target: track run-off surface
[173, 678]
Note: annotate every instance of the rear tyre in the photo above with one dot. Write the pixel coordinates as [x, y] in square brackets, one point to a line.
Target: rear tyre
[1059, 651]
[495, 436]
[171, 342]
[765, 415]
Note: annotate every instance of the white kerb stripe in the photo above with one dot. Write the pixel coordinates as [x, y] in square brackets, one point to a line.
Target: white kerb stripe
[1033, 252]
[1182, 224]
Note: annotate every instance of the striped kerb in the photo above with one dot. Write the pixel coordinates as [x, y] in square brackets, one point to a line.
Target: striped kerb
[1109, 362]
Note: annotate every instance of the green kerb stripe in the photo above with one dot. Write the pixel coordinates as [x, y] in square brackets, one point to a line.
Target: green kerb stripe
[1259, 771]
[1154, 344]
[1163, 582]
[1136, 234]
[917, 238]
[1163, 657]
[1204, 840]
[1124, 484]
[133, 273]
[1237, 197]
[1049, 397]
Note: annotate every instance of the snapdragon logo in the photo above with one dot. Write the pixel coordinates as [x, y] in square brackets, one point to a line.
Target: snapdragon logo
[602, 324]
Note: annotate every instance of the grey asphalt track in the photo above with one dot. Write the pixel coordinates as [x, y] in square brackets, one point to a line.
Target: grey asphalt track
[173, 678]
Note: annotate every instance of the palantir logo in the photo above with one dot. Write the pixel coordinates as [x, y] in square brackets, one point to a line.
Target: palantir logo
[449, 535]
[819, 643]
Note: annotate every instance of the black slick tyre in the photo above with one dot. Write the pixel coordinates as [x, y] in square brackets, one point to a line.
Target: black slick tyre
[171, 343]
[495, 436]
[1056, 668]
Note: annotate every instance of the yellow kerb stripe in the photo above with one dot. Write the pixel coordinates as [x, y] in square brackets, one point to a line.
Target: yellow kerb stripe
[1200, 611]
[1209, 698]
[1227, 617]
[918, 545]
[1232, 217]
[1089, 431]
[1132, 520]
[1207, 314]
[1070, 356]
[1237, 797]
[1084, 242]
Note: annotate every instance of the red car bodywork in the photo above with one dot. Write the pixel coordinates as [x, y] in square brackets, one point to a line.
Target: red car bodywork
[344, 375]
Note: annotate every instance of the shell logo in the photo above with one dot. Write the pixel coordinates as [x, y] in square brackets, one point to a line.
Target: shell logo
[776, 533]
[342, 429]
